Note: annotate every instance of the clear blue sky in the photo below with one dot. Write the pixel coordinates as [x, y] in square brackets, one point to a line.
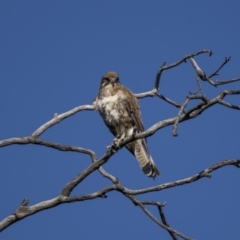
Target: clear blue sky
[52, 57]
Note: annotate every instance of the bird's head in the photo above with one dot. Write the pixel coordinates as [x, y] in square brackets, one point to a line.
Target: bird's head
[110, 78]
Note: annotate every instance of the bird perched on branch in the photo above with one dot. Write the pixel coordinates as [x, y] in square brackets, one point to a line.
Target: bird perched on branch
[120, 111]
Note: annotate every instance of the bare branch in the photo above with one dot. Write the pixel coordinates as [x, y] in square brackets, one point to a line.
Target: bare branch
[227, 59]
[162, 215]
[94, 166]
[37, 141]
[178, 105]
[218, 82]
[182, 109]
[24, 211]
[141, 205]
[204, 173]
[58, 118]
[153, 93]
[174, 132]
[192, 113]
[229, 104]
[160, 209]
[163, 67]
[158, 204]
[201, 74]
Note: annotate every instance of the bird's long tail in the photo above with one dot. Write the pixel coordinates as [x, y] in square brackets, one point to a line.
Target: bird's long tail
[145, 160]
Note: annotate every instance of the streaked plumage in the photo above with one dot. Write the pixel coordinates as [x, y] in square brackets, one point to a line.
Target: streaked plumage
[120, 111]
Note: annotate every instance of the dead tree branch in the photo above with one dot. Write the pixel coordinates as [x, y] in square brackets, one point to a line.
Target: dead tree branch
[164, 67]
[201, 74]
[58, 118]
[25, 211]
[97, 164]
[160, 207]
[227, 59]
[196, 177]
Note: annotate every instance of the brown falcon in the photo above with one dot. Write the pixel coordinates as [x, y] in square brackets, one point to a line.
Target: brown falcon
[120, 111]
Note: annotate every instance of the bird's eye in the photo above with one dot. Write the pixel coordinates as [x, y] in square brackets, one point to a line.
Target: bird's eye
[105, 81]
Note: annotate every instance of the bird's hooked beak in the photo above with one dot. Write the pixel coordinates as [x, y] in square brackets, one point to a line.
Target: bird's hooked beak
[113, 81]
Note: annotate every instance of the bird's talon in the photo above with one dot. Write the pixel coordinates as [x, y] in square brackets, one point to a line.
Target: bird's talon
[111, 148]
[134, 131]
[116, 144]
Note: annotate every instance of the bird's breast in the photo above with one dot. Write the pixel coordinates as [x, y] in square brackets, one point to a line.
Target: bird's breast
[108, 108]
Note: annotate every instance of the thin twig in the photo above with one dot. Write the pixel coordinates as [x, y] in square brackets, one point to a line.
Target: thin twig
[178, 105]
[227, 59]
[160, 209]
[174, 132]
